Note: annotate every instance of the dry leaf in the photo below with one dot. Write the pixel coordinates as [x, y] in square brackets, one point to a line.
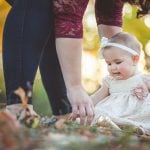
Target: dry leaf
[60, 124]
[21, 93]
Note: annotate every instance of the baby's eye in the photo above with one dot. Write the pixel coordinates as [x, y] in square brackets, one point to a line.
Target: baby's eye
[118, 62]
[109, 64]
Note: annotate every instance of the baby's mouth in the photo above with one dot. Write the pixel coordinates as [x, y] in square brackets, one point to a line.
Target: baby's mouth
[116, 73]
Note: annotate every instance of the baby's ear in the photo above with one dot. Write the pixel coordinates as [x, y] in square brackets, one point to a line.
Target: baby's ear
[135, 58]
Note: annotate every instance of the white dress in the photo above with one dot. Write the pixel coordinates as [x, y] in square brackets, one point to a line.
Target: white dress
[128, 102]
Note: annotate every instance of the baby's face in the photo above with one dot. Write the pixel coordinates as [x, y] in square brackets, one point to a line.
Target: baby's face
[120, 63]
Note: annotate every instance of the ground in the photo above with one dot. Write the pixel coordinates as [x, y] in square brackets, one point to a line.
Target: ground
[66, 135]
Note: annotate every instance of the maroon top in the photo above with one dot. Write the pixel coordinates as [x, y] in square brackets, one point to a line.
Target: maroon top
[69, 15]
[109, 12]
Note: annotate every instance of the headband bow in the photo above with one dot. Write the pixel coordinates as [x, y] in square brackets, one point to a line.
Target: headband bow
[105, 42]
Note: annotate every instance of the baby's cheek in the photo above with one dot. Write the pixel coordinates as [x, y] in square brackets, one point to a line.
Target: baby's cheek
[125, 69]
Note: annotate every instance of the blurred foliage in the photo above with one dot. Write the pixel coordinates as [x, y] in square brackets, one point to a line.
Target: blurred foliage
[4, 7]
[40, 99]
[67, 135]
[139, 27]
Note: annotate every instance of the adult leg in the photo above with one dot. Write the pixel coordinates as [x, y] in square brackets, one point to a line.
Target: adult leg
[25, 34]
[52, 76]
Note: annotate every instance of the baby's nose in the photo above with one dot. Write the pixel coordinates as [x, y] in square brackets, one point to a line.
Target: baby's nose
[113, 66]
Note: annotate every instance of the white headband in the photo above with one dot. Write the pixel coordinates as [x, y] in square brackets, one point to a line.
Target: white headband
[105, 42]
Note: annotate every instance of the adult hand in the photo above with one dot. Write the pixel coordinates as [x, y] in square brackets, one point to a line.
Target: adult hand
[82, 105]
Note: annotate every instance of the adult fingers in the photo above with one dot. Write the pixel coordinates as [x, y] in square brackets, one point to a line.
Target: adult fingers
[82, 114]
[90, 113]
[75, 112]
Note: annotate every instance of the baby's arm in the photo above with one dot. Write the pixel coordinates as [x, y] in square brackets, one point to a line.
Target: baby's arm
[100, 94]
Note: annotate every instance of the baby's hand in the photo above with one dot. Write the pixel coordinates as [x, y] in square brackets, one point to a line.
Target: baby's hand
[140, 92]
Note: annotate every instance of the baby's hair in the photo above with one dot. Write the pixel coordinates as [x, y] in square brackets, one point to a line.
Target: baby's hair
[128, 40]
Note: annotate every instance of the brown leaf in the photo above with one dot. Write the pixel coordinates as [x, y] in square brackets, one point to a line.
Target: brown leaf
[21, 93]
[9, 127]
[60, 124]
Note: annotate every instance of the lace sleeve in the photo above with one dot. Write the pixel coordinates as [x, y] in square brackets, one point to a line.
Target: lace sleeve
[146, 78]
[68, 17]
[111, 15]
